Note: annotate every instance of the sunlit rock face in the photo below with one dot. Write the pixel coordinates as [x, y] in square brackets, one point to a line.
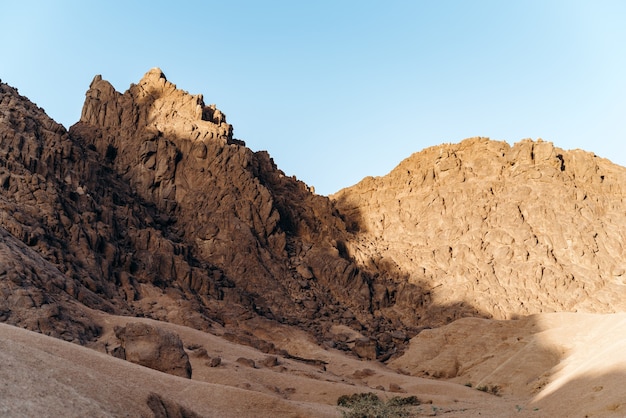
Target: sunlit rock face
[512, 230]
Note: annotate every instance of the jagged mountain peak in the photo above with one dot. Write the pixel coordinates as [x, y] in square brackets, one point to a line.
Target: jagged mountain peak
[153, 75]
[156, 105]
[149, 209]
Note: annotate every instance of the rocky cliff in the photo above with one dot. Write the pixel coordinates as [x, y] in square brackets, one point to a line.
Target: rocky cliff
[148, 206]
[76, 236]
[511, 230]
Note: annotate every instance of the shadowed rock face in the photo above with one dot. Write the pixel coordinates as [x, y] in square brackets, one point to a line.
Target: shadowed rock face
[74, 231]
[278, 243]
[149, 207]
[149, 203]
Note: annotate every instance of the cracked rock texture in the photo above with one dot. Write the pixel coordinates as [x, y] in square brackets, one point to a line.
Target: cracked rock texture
[511, 230]
[148, 206]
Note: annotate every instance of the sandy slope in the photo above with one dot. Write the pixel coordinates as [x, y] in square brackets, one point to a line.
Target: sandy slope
[563, 364]
[42, 376]
[590, 378]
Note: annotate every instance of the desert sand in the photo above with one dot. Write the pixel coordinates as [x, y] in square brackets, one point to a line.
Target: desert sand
[565, 365]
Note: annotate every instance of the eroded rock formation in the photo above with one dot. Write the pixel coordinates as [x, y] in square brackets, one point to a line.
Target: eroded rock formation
[512, 230]
[150, 207]
[148, 202]
[277, 241]
[153, 347]
[74, 231]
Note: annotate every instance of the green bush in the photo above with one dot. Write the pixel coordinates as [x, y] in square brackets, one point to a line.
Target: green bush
[369, 405]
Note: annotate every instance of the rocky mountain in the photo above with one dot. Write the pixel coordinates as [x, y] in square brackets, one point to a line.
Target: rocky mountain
[148, 220]
[507, 230]
[149, 202]
[149, 207]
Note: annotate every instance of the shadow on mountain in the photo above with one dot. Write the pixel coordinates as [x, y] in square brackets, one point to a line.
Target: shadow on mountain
[138, 222]
[394, 287]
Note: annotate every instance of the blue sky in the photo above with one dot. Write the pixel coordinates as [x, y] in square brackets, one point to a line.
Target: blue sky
[339, 90]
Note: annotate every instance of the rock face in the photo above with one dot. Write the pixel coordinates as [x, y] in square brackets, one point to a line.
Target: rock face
[153, 347]
[508, 230]
[150, 207]
[280, 245]
[74, 231]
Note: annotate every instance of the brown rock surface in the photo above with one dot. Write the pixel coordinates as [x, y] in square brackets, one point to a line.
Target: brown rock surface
[280, 246]
[472, 229]
[153, 347]
[506, 230]
[150, 208]
[73, 230]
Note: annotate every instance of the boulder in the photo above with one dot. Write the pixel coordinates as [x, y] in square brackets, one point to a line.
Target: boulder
[366, 348]
[154, 347]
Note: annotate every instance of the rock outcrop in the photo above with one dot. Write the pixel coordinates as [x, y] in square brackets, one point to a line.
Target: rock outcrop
[511, 230]
[74, 231]
[150, 207]
[153, 347]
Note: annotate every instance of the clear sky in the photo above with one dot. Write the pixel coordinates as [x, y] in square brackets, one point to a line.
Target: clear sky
[338, 90]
